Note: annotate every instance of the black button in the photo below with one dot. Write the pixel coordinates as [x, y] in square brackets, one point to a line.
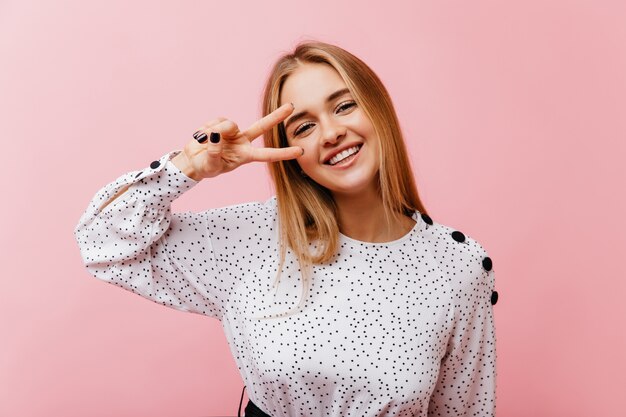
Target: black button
[138, 174]
[458, 236]
[494, 297]
[155, 164]
[427, 219]
[487, 264]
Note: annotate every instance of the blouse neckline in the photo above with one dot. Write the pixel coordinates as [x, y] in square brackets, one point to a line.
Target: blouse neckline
[415, 216]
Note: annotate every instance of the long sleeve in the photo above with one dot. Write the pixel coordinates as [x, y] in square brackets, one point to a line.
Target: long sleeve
[467, 379]
[136, 243]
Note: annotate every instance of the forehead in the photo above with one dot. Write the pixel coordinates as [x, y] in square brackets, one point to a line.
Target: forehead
[311, 84]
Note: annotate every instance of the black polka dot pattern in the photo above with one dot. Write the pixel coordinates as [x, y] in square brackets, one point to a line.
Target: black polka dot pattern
[402, 328]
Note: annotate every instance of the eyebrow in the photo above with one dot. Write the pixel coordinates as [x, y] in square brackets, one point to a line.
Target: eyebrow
[330, 98]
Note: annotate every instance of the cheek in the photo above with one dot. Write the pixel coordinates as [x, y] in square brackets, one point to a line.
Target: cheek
[363, 125]
[311, 151]
[308, 159]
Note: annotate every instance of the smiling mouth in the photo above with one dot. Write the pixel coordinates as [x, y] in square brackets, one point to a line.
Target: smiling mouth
[345, 156]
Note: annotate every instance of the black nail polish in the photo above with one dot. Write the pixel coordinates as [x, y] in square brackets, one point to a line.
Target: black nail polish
[215, 137]
[200, 136]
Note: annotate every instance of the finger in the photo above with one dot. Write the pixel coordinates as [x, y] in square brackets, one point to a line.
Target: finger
[207, 126]
[276, 154]
[201, 138]
[267, 122]
[224, 128]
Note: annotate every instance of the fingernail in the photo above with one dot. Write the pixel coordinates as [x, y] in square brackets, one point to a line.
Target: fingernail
[215, 137]
[200, 136]
[302, 151]
[292, 106]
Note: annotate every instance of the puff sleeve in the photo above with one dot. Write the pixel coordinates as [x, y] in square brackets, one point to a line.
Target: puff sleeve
[466, 385]
[136, 243]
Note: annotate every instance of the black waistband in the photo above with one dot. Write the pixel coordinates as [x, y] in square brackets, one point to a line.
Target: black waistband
[253, 411]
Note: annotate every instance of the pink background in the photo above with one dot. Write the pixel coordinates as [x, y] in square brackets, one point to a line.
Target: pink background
[515, 118]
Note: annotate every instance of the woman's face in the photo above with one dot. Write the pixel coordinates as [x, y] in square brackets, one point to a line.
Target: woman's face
[339, 141]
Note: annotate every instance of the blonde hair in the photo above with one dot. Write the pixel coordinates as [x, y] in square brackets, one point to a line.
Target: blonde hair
[306, 210]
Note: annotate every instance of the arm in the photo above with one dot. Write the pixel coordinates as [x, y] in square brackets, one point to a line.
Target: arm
[129, 237]
[467, 379]
[135, 242]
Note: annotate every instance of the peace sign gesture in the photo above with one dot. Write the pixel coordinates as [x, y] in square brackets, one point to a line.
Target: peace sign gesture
[229, 147]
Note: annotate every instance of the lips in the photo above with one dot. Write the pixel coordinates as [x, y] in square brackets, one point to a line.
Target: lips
[339, 150]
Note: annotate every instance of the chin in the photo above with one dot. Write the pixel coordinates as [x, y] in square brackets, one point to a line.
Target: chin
[356, 182]
[354, 188]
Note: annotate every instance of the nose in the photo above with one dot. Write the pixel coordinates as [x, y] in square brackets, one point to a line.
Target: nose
[332, 131]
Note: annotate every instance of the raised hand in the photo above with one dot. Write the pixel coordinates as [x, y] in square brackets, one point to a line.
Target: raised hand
[209, 158]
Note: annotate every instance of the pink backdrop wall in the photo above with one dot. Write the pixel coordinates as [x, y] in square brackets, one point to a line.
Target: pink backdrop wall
[515, 115]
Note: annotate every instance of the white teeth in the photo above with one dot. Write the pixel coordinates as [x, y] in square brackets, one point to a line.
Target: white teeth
[343, 155]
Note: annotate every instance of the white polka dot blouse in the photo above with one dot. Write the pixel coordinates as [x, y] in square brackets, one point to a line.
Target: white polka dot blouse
[401, 328]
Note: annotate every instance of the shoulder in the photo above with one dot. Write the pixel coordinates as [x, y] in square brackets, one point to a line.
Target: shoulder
[465, 262]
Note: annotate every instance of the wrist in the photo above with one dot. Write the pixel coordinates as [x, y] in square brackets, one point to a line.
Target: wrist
[182, 163]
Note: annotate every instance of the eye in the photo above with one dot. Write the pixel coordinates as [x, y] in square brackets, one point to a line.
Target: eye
[346, 105]
[302, 128]
[342, 107]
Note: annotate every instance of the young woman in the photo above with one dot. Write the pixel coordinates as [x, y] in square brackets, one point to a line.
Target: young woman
[339, 296]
